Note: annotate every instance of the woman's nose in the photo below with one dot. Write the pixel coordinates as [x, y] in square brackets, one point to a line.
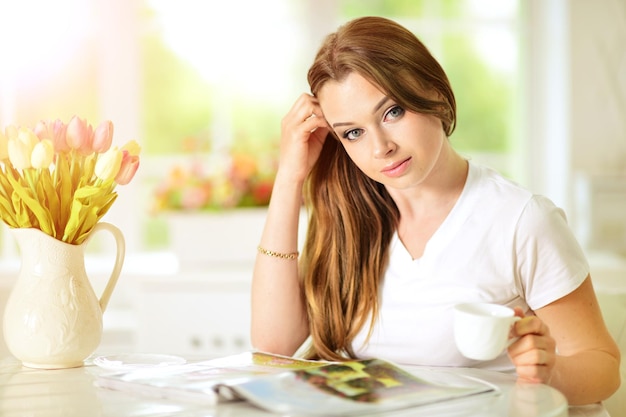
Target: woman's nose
[383, 145]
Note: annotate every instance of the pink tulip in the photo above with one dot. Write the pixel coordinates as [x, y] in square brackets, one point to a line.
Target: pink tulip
[80, 136]
[103, 137]
[55, 131]
[41, 129]
[128, 168]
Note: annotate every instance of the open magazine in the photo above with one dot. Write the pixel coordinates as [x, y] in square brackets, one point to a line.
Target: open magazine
[288, 385]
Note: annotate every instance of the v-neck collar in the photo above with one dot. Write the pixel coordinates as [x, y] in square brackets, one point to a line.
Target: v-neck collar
[450, 225]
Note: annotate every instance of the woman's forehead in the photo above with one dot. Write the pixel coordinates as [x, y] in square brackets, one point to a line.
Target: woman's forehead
[353, 93]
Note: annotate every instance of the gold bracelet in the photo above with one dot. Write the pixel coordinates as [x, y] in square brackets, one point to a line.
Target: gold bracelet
[292, 255]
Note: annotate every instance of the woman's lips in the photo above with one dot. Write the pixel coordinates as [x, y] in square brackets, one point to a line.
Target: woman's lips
[396, 169]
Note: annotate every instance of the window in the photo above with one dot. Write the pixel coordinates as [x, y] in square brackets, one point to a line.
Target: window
[192, 78]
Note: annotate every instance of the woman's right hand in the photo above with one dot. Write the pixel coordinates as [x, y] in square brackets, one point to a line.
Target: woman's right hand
[303, 131]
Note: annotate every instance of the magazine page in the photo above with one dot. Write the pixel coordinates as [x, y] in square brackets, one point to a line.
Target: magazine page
[199, 381]
[349, 388]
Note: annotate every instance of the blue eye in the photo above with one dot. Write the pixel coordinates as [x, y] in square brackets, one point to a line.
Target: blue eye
[352, 134]
[394, 113]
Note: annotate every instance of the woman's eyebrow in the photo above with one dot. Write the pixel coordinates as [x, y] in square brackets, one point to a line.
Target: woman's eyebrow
[378, 106]
[342, 124]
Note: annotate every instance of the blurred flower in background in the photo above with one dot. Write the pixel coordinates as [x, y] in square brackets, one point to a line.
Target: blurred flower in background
[245, 181]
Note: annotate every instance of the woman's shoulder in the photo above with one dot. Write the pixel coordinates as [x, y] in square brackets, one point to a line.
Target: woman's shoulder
[496, 194]
[491, 184]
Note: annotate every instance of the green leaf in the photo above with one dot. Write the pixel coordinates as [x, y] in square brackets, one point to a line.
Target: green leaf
[21, 214]
[73, 222]
[41, 213]
[47, 197]
[90, 220]
[107, 205]
[86, 191]
[54, 205]
[63, 190]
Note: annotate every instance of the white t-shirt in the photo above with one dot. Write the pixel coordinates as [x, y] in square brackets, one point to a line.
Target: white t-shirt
[499, 244]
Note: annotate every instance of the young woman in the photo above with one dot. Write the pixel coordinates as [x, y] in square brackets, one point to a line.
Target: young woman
[402, 228]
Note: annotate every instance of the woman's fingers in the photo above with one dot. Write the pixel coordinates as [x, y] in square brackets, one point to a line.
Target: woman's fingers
[530, 325]
[304, 117]
[303, 131]
[304, 108]
[534, 353]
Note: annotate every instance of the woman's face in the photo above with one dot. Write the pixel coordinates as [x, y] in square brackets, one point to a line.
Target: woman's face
[391, 145]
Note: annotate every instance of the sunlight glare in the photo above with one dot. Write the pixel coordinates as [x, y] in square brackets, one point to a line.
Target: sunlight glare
[247, 45]
[498, 47]
[493, 9]
[36, 35]
[495, 40]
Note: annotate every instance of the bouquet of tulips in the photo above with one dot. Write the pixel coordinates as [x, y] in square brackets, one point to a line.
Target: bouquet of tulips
[61, 178]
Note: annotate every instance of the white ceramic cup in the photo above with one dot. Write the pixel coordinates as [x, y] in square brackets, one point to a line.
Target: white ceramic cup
[481, 330]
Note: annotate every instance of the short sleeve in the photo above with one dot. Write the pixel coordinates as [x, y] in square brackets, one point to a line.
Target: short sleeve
[549, 260]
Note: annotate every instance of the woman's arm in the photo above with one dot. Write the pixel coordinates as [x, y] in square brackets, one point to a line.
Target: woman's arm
[279, 323]
[279, 320]
[568, 346]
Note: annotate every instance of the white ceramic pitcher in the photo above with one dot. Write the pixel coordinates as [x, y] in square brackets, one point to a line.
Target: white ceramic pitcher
[53, 318]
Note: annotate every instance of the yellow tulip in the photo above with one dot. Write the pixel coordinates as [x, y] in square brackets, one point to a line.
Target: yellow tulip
[132, 147]
[28, 137]
[11, 132]
[42, 155]
[20, 147]
[19, 154]
[108, 164]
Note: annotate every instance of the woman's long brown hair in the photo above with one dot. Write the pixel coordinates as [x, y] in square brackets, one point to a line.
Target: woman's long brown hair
[351, 217]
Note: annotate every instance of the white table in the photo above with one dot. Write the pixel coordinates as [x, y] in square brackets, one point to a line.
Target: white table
[72, 393]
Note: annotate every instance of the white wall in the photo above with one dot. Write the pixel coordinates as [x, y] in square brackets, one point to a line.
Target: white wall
[598, 86]
[597, 122]
[575, 52]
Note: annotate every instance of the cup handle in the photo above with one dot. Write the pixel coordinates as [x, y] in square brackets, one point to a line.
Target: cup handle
[120, 244]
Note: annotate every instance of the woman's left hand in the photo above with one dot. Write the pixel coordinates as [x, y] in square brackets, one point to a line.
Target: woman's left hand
[534, 353]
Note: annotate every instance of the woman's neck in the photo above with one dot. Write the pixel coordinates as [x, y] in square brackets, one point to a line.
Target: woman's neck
[422, 211]
[443, 186]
